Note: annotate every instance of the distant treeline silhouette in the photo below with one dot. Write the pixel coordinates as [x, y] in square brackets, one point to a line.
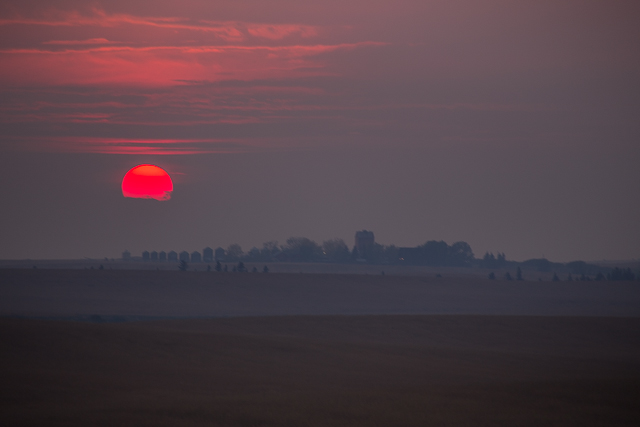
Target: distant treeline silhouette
[431, 253]
[621, 274]
[302, 249]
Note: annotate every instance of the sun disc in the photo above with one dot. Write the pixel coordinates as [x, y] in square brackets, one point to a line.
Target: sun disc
[147, 182]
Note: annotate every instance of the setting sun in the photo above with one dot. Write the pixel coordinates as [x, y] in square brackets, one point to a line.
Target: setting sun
[147, 182]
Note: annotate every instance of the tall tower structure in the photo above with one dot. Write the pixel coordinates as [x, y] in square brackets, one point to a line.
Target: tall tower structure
[364, 241]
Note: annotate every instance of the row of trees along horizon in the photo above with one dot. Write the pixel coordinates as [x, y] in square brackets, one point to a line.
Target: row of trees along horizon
[432, 253]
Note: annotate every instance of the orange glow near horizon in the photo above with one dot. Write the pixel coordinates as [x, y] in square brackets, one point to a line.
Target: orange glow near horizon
[147, 182]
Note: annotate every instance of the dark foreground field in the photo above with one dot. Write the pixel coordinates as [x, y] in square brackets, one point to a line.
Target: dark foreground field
[125, 294]
[322, 371]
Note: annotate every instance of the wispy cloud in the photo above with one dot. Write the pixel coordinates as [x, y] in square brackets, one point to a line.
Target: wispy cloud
[165, 65]
[81, 42]
[277, 32]
[188, 75]
[140, 146]
[230, 31]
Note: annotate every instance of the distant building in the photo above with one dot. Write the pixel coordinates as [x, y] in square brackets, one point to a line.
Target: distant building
[172, 256]
[184, 256]
[126, 255]
[196, 257]
[154, 256]
[207, 254]
[364, 241]
[220, 255]
[162, 256]
[145, 256]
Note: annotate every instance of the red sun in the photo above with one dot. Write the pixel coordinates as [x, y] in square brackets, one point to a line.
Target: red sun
[147, 182]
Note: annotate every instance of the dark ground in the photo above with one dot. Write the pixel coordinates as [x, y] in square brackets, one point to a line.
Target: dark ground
[152, 294]
[323, 371]
[314, 350]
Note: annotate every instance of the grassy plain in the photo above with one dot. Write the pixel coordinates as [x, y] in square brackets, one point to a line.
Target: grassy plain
[79, 293]
[323, 371]
[310, 370]
[285, 267]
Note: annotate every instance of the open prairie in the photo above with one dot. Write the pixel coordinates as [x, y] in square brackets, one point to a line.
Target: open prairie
[323, 371]
[274, 267]
[528, 272]
[138, 294]
[314, 350]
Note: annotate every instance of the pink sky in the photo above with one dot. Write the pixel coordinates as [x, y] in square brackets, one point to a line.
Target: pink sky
[472, 78]
[175, 65]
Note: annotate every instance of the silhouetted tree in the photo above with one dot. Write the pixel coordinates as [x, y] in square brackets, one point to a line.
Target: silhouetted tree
[301, 249]
[435, 253]
[241, 267]
[183, 266]
[269, 250]
[438, 253]
[555, 278]
[226, 268]
[355, 254]
[234, 252]
[254, 270]
[336, 250]
[253, 255]
[518, 274]
[621, 274]
[218, 266]
[265, 269]
[577, 267]
[492, 276]
[460, 254]
[489, 261]
[540, 264]
[390, 254]
[373, 253]
[507, 276]
[501, 259]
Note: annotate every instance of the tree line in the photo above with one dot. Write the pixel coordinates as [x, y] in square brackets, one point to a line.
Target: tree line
[302, 249]
[431, 253]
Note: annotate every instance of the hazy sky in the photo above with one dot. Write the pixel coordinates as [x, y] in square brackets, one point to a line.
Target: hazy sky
[514, 126]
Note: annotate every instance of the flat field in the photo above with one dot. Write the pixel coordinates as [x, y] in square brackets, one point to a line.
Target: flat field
[323, 371]
[347, 364]
[146, 294]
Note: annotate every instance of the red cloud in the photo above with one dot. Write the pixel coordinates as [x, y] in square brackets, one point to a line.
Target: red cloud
[160, 66]
[81, 42]
[230, 31]
[170, 65]
[163, 57]
[140, 146]
[277, 32]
